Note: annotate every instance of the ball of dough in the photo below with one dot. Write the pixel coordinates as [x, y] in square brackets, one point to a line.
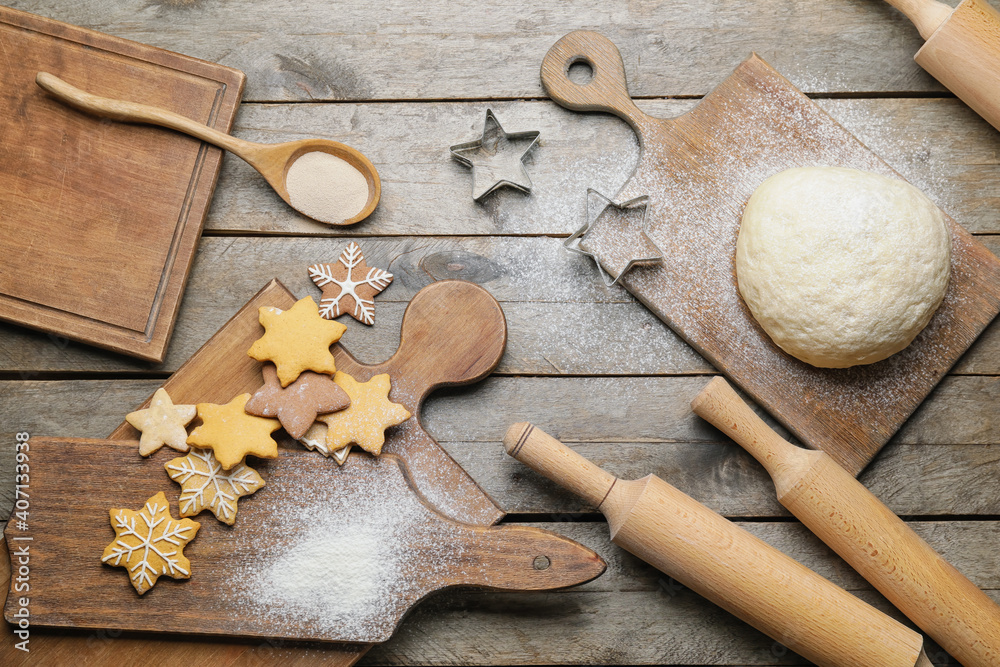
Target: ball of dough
[841, 267]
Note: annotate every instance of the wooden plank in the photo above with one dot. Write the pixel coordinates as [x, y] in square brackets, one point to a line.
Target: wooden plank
[943, 463]
[482, 51]
[938, 144]
[546, 308]
[590, 409]
[601, 616]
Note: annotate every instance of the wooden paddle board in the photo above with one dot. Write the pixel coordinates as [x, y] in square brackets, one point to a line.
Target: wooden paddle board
[698, 171]
[322, 552]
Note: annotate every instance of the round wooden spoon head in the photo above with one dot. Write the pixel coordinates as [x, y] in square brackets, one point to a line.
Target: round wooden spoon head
[274, 160]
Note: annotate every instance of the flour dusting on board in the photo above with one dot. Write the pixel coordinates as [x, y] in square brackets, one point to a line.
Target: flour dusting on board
[699, 171]
[345, 557]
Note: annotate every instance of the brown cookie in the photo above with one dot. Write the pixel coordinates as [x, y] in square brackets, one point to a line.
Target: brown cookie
[349, 286]
[297, 405]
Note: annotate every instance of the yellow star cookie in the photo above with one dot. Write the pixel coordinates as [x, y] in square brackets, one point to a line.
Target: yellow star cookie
[297, 340]
[232, 434]
[149, 543]
[162, 423]
[365, 420]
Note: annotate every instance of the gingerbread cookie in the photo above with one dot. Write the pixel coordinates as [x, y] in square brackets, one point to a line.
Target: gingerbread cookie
[297, 405]
[162, 423]
[297, 340]
[233, 434]
[205, 485]
[349, 286]
[150, 543]
[365, 421]
[315, 439]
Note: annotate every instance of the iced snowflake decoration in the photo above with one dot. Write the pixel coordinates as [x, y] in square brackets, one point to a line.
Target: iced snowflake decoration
[150, 543]
[204, 484]
[344, 291]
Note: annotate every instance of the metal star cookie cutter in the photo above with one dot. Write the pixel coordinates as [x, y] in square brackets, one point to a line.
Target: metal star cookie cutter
[492, 158]
[597, 205]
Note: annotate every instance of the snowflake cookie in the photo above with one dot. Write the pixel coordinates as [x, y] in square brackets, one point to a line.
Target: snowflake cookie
[349, 286]
[150, 543]
[232, 434]
[205, 485]
[365, 421]
[297, 340]
[297, 405]
[162, 423]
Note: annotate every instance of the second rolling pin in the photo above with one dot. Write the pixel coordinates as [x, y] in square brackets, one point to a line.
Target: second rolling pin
[722, 562]
[864, 532]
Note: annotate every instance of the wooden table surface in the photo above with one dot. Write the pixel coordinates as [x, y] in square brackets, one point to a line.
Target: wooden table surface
[402, 81]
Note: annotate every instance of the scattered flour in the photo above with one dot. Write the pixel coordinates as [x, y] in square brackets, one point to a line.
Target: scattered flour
[343, 558]
[326, 188]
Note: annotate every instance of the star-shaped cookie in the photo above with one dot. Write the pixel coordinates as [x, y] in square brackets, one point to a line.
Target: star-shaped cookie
[349, 286]
[297, 340]
[233, 434]
[204, 484]
[365, 421]
[162, 423]
[497, 159]
[150, 543]
[297, 405]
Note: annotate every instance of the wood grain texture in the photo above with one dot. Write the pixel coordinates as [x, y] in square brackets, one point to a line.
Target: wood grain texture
[855, 524]
[714, 557]
[940, 145]
[943, 462]
[101, 222]
[698, 170]
[962, 53]
[422, 551]
[441, 50]
[548, 295]
[483, 629]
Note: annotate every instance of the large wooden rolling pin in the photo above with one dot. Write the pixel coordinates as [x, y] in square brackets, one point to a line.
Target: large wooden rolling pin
[962, 50]
[855, 524]
[722, 562]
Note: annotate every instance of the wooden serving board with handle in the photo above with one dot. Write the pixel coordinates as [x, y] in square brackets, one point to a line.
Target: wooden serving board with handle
[468, 347]
[372, 545]
[100, 221]
[698, 170]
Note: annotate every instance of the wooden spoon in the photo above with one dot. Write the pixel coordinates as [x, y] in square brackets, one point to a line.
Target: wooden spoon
[271, 160]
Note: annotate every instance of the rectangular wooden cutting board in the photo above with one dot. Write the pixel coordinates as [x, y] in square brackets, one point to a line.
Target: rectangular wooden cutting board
[698, 170]
[100, 220]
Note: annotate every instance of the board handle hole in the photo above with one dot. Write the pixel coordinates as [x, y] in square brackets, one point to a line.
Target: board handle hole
[541, 563]
[580, 71]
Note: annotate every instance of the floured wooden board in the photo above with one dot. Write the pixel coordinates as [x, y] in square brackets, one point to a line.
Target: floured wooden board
[100, 220]
[698, 171]
[322, 552]
[221, 369]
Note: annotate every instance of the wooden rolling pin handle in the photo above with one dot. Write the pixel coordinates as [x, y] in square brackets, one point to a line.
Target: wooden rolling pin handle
[548, 456]
[927, 15]
[133, 112]
[722, 407]
[865, 533]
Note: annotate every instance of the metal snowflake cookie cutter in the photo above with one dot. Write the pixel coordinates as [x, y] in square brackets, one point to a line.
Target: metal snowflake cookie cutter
[626, 221]
[496, 159]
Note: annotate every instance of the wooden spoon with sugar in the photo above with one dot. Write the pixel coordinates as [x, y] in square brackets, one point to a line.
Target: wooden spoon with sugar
[322, 179]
